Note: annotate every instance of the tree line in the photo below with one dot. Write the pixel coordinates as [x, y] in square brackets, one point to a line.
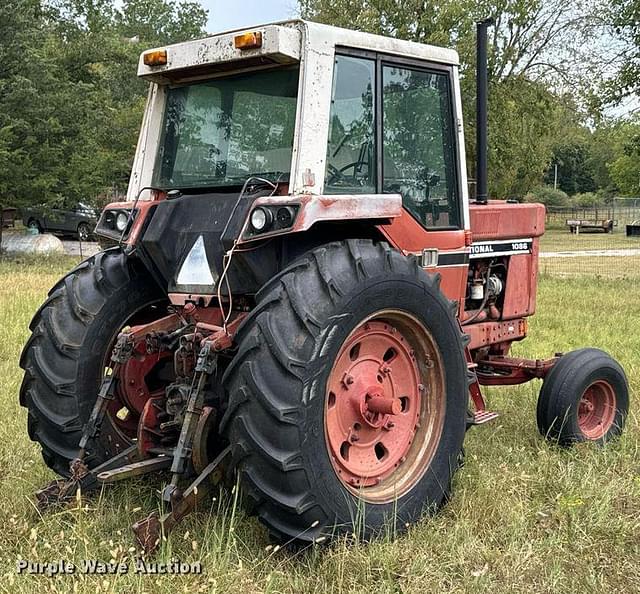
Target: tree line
[71, 105]
[563, 85]
[70, 102]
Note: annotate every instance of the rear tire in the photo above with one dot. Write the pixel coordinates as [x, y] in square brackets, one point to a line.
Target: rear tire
[63, 360]
[278, 392]
[585, 397]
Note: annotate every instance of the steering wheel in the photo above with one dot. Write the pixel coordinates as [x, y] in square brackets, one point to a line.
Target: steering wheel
[339, 175]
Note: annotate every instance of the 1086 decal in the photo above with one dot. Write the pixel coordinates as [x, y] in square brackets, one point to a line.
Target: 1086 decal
[501, 248]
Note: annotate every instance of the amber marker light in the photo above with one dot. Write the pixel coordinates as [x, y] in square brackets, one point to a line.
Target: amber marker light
[155, 58]
[248, 41]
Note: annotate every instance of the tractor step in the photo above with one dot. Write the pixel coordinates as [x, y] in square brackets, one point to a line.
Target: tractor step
[483, 416]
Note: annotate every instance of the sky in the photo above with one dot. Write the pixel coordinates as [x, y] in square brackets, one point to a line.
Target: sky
[229, 14]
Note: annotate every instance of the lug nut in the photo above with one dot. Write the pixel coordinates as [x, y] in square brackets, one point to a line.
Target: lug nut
[347, 380]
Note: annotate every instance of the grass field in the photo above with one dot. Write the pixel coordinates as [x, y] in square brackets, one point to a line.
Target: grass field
[525, 516]
[605, 267]
[613, 266]
[560, 240]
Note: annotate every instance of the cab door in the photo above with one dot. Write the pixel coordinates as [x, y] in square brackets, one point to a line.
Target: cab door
[420, 162]
[394, 130]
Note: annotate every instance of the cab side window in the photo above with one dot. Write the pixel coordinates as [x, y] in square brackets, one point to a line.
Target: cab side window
[351, 149]
[419, 155]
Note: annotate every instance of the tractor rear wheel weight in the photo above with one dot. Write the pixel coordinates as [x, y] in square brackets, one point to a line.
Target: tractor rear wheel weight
[72, 336]
[585, 397]
[279, 391]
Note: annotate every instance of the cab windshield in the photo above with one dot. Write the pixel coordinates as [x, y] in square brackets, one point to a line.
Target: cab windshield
[223, 131]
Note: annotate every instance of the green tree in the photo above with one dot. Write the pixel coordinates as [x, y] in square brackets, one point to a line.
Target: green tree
[31, 143]
[624, 18]
[573, 168]
[535, 46]
[70, 101]
[624, 168]
[548, 196]
[602, 152]
[99, 46]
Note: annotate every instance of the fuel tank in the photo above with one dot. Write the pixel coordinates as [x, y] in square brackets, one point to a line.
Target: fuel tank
[500, 220]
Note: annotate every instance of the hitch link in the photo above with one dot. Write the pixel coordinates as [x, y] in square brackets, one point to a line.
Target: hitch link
[206, 365]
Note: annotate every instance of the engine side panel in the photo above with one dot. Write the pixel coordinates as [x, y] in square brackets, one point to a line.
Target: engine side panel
[521, 285]
[503, 273]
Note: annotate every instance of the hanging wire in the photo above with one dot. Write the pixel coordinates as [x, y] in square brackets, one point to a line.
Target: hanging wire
[227, 258]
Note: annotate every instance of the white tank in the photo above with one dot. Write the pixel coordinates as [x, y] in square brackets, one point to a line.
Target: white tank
[31, 244]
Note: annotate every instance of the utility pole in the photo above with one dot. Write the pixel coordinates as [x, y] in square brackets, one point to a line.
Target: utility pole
[555, 176]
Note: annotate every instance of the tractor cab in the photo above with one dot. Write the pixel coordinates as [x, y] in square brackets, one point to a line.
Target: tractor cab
[311, 106]
[334, 131]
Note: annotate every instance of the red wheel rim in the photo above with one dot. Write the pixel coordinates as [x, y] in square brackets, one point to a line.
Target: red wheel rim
[133, 392]
[597, 410]
[384, 407]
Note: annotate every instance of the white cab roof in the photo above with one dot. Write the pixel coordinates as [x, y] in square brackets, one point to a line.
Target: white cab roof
[283, 42]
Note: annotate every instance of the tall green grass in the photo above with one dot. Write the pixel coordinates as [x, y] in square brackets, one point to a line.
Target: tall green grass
[525, 516]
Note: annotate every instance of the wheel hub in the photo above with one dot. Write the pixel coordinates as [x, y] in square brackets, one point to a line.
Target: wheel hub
[133, 391]
[375, 401]
[597, 410]
[376, 407]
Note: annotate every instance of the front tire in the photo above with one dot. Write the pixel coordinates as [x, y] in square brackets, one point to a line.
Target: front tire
[84, 232]
[73, 333]
[585, 397]
[284, 391]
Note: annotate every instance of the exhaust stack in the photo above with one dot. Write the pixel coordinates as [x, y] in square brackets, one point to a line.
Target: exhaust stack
[482, 93]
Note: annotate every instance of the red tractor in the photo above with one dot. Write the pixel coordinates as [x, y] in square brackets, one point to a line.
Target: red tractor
[300, 293]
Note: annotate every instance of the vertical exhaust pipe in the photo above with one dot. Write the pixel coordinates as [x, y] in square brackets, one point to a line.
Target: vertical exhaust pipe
[482, 94]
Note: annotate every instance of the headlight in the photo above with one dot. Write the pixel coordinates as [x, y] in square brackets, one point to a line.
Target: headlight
[114, 222]
[121, 221]
[271, 218]
[261, 219]
[285, 216]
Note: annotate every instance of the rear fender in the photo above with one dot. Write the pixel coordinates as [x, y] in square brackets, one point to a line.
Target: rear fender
[141, 214]
[310, 210]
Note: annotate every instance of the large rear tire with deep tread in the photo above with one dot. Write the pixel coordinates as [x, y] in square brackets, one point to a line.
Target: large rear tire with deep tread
[277, 387]
[71, 337]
